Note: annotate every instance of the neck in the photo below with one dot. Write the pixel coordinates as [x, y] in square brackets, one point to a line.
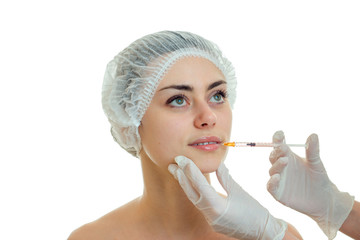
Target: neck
[165, 204]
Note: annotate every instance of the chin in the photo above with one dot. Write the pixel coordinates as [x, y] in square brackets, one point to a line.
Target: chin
[208, 164]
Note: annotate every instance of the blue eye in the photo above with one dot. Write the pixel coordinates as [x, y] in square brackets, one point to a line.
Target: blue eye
[177, 101]
[218, 97]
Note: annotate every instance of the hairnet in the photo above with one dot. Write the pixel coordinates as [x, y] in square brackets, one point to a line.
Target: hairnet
[132, 77]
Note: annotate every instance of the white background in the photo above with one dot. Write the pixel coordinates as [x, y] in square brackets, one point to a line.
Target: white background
[298, 70]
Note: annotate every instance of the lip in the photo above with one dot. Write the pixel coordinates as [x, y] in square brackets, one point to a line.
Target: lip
[208, 143]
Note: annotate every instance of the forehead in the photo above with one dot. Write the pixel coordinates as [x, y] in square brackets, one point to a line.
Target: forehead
[192, 71]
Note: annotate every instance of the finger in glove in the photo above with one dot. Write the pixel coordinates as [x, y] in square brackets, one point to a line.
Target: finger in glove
[279, 166]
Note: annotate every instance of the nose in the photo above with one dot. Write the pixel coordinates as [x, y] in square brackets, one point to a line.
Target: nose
[205, 117]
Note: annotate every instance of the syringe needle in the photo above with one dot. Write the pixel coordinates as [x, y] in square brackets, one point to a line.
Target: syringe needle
[258, 144]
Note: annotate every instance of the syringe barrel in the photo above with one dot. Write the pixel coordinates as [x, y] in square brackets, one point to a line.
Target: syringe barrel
[253, 144]
[259, 144]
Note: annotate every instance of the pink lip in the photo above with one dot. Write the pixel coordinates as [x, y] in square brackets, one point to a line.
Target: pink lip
[213, 143]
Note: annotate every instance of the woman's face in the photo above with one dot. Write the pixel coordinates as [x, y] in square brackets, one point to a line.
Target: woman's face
[189, 115]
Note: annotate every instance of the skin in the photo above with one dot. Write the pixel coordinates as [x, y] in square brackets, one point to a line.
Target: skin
[199, 114]
[167, 129]
[351, 225]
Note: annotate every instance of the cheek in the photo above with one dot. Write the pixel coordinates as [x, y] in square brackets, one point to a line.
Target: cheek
[163, 139]
[172, 135]
[230, 121]
[225, 121]
[167, 131]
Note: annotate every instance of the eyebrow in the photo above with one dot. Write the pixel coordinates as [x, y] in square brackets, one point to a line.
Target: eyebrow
[189, 88]
[215, 84]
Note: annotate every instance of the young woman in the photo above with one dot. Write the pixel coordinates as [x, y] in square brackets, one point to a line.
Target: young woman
[168, 97]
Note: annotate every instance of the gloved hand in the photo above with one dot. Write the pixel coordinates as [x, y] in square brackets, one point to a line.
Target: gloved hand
[303, 185]
[238, 215]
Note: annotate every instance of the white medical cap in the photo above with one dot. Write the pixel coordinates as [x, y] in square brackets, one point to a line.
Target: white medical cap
[132, 77]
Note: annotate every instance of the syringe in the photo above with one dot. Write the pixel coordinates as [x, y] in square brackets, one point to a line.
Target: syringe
[258, 144]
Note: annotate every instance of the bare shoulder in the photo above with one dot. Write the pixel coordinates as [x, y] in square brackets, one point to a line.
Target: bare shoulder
[88, 231]
[115, 225]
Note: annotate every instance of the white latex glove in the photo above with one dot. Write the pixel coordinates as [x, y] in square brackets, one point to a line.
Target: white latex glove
[303, 185]
[238, 215]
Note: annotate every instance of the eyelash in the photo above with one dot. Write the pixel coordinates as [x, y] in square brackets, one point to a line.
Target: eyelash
[223, 94]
